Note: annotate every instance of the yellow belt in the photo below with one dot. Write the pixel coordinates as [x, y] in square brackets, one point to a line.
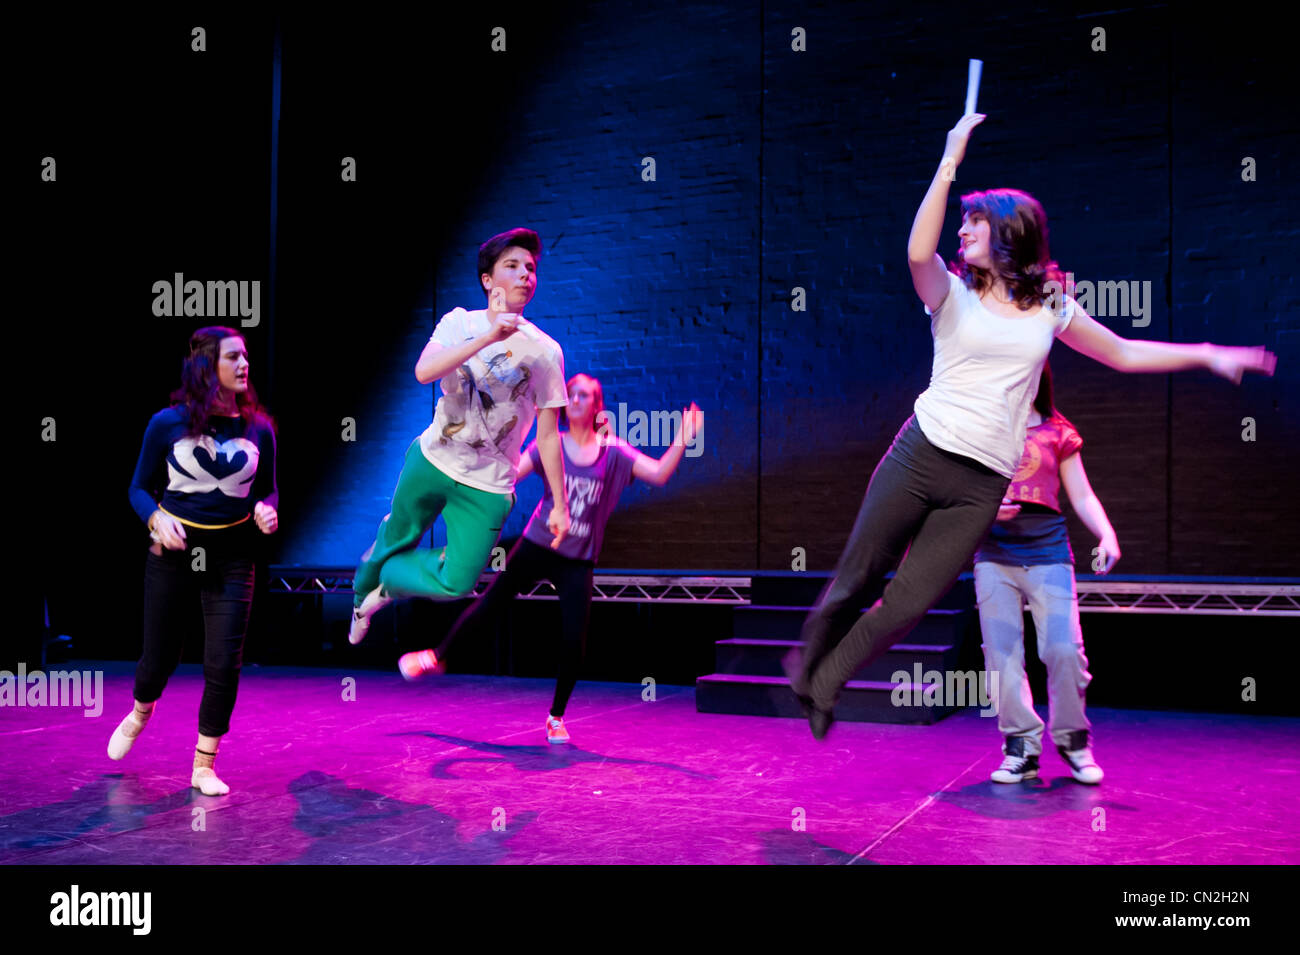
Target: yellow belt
[204, 527]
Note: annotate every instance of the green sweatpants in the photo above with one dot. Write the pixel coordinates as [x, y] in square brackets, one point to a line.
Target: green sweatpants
[474, 521]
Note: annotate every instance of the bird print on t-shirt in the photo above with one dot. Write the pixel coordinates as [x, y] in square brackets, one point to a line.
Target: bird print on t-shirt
[481, 400]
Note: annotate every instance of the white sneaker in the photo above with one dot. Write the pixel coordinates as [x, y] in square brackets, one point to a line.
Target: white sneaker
[374, 602]
[1017, 765]
[1082, 766]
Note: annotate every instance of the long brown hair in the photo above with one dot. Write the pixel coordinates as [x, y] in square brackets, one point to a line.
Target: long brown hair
[1044, 403]
[200, 385]
[1018, 246]
[1043, 400]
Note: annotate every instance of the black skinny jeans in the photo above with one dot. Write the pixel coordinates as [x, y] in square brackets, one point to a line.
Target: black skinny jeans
[527, 564]
[940, 502]
[225, 588]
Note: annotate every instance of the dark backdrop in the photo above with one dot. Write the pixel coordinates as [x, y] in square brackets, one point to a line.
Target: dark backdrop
[775, 169]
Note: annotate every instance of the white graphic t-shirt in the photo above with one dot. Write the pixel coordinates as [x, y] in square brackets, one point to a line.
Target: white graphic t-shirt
[489, 404]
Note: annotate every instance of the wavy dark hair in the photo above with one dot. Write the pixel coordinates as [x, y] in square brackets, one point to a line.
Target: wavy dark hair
[200, 385]
[1043, 401]
[1017, 245]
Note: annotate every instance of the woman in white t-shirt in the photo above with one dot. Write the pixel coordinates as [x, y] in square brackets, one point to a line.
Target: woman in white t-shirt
[936, 492]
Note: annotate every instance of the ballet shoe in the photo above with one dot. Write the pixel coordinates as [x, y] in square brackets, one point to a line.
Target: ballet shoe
[205, 779]
[374, 602]
[127, 732]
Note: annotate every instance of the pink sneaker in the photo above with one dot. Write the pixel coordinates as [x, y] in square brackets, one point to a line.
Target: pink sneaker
[418, 664]
[555, 731]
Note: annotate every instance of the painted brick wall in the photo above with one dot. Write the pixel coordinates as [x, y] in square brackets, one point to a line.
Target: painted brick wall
[777, 169]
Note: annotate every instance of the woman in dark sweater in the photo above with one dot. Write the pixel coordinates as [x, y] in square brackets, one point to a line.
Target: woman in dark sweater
[205, 479]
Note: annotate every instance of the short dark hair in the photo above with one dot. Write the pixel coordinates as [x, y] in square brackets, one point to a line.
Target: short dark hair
[491, 250]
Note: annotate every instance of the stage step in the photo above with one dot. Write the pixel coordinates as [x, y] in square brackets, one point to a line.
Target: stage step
[749, 679]
[861, 701]
[787, 588]
[749, 657]
[775, 622]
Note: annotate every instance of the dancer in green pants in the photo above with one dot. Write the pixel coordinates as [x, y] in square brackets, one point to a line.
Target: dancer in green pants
[498, 372]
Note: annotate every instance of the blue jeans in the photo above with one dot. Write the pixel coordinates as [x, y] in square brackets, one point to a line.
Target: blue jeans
[1002, 590]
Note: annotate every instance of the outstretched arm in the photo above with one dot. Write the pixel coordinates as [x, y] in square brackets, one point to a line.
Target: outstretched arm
[1089, 337]
[1085, 503]
[658, 471]
[929, 274]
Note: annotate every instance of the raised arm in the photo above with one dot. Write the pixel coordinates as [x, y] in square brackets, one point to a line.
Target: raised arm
[929, 274]
[1089, 337]
[1085, 503]
[658, 471]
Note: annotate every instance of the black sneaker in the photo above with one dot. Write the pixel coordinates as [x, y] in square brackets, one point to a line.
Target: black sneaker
[792, 664]
[819, 720]
[1016, 766]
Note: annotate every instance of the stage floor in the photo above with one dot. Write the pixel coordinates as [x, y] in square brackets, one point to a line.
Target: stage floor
[457, 769]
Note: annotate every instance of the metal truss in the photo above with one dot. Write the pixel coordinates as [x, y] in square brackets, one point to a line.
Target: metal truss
[286, 580]
[1200, 599]
[645, 589]
[660, 590]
